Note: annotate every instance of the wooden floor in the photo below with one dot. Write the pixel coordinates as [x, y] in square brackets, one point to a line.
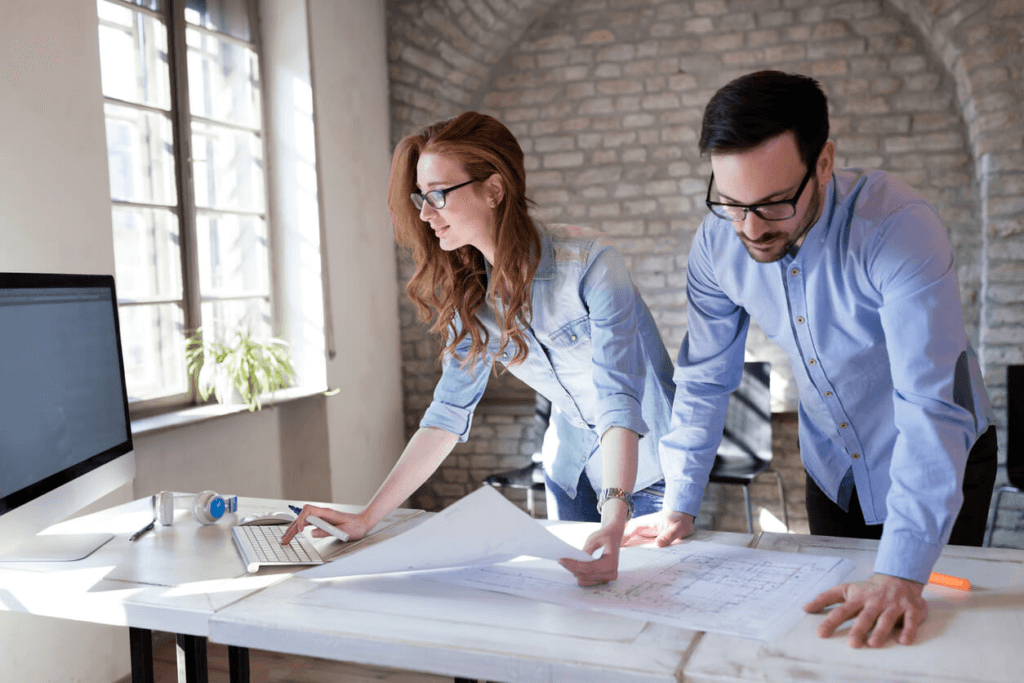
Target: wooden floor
[271, 667]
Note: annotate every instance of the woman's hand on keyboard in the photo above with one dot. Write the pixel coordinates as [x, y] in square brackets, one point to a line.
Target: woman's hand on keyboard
[354, 525]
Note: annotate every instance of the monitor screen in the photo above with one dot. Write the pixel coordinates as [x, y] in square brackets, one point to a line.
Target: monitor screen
[63, 403]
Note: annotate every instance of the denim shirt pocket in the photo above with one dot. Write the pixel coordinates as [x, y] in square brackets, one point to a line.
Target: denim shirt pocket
[571, 335]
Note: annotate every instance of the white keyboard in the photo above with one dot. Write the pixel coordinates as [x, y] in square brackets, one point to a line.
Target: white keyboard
[260, 546]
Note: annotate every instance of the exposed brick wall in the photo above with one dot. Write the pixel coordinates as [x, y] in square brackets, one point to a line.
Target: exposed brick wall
[606, 98]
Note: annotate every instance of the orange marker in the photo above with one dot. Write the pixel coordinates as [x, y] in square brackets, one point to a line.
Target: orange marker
[949, 581]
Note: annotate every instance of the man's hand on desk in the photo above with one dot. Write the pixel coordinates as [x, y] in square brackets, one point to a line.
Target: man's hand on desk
[880, 604]
[354, 525]
[609, 537]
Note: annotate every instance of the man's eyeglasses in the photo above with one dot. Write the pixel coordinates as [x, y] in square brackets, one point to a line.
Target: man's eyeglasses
[768, 211]
[436, 198]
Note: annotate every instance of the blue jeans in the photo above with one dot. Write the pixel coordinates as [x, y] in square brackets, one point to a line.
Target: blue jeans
[583, 508]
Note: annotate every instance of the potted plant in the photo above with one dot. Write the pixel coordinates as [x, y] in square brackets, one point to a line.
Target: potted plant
[239, 369]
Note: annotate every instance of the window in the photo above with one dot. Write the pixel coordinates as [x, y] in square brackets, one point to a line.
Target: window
[182, 93]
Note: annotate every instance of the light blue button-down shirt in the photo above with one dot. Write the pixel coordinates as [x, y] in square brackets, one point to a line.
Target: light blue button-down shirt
[594, 351]
[868, 310]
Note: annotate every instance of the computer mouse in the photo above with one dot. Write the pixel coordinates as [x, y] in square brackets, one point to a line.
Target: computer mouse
[263, 518]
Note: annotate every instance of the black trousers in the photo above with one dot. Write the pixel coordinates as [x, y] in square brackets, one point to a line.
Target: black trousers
[828, 519]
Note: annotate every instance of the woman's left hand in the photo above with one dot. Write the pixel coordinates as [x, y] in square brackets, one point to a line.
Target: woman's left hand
[609, 537]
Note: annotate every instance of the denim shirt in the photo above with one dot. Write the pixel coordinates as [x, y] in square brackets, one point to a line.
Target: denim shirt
[868, 310]
[594, 351]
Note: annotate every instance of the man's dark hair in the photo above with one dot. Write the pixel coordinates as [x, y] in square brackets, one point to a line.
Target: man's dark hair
[753, 108]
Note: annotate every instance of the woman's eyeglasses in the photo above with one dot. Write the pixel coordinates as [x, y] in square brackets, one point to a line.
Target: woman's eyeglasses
[768, 211]
[436, 198]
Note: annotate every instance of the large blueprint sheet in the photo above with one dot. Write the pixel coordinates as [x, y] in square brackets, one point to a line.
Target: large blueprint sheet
[696, 585]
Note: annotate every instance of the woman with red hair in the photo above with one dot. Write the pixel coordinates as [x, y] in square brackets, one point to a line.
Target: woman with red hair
[553, 304]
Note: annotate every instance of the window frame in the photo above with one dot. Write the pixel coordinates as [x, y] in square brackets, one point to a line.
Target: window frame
[172, 15]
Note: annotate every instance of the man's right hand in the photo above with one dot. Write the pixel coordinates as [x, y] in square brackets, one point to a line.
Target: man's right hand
[666, 527]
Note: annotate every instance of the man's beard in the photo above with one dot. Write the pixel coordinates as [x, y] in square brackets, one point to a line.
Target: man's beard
[779, 238]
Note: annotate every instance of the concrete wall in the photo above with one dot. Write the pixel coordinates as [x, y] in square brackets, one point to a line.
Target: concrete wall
[55, 217]
[350, 96]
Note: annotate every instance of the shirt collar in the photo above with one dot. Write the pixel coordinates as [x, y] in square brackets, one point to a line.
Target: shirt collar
[546, 267]
[815, 238]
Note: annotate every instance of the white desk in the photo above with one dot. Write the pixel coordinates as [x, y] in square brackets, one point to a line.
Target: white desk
[968, 636]
[173, 579]
[410, 622]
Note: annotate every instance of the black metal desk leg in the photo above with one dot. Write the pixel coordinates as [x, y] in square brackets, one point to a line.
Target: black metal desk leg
[238, 664]
[192, 659]
[140, 641]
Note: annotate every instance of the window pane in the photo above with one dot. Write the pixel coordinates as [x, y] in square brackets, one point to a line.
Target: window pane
[153, 340]
[232, 255]
[226, 16]
[223, 80]
[133, 56]
[227, 168]
[222, 319]
[147, 251]
[140, 150]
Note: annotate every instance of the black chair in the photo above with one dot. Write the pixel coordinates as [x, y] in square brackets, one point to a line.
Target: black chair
[1014, 447]
[530, 477]
[746, 449]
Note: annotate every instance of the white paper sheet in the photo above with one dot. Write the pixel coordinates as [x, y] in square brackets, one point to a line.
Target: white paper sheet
[696, 585]
[481, 528]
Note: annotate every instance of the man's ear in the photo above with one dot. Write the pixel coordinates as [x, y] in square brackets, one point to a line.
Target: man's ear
[825, 163]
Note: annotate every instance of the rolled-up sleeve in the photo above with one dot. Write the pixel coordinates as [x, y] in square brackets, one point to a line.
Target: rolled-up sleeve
[618, 369]
[457, 393]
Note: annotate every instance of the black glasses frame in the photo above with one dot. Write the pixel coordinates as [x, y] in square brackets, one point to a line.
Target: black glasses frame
[436, 198]
[756, 208]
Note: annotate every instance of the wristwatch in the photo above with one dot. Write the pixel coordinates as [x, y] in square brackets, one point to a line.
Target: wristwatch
[621, 495]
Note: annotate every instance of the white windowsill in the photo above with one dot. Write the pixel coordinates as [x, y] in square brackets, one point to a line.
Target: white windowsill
[196, 414]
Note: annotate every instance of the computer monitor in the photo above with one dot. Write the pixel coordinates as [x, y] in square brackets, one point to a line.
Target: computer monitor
[65, 435]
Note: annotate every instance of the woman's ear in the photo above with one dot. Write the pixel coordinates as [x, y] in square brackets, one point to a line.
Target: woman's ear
[494, 189]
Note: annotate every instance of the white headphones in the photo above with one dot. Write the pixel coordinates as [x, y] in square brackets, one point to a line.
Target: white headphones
[207, 507]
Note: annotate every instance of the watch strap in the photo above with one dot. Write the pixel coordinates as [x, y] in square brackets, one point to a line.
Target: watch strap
[621, 494]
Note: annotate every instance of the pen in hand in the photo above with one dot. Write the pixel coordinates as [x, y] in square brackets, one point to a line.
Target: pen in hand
[137, 534]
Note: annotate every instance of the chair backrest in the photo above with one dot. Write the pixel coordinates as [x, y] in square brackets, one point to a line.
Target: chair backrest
[748, 421]
[1015, 424]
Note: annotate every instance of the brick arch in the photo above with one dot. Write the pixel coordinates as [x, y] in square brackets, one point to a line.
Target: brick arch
[441, 53]
[982, 47]
[450, 55]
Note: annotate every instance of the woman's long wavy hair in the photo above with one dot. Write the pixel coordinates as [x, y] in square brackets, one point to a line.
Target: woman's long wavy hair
[451, 285]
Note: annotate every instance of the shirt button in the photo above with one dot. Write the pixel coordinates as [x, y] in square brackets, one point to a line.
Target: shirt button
[843, 425]
[828, 394]
[573, 338]
[812, 362]
[855, 456]
[795, 271]
[799, 320]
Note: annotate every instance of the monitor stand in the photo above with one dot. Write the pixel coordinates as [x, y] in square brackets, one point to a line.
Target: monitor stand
[55, 548]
